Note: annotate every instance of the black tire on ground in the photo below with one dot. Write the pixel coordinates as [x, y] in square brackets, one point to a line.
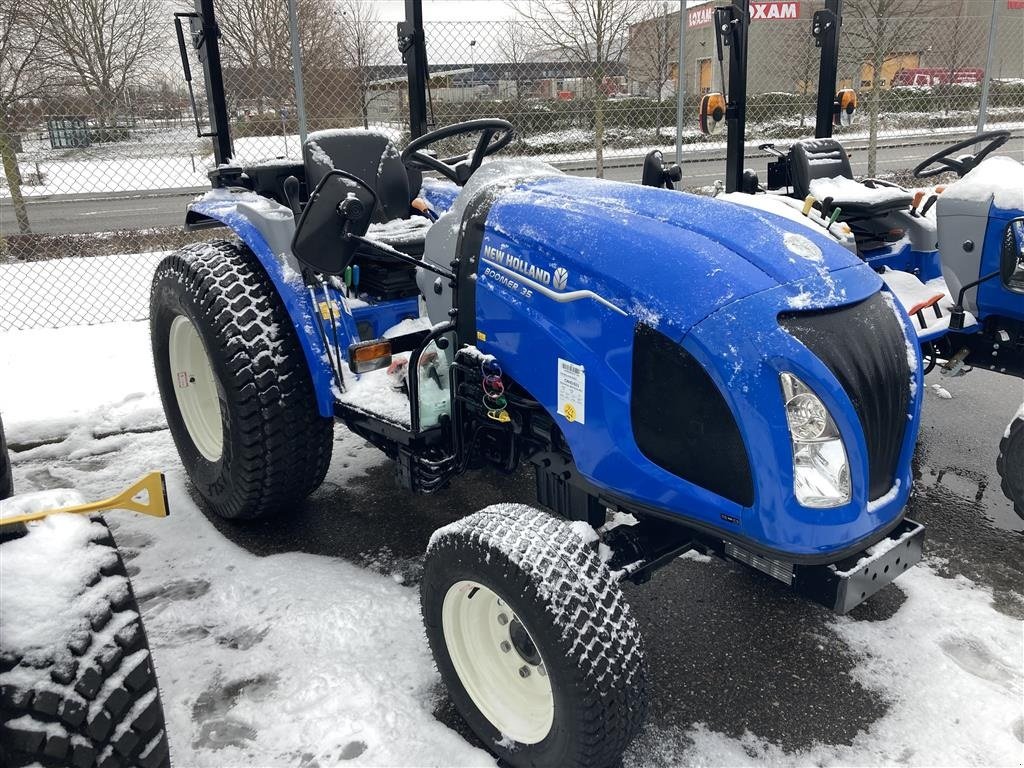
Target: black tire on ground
[576, 616]
[6, 479]
[276, 446]
[1010, 465]
[94, 700]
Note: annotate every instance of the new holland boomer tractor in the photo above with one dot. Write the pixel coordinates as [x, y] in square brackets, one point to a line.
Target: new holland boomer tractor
[953, 256]
[680, 373]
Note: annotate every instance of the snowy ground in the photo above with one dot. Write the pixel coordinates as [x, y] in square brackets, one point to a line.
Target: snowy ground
[314, 655]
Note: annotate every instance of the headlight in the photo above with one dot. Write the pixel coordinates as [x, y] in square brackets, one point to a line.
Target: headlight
[821, 471]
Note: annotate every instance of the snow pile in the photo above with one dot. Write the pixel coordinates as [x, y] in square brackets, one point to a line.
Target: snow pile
[847, 191]
[998, 179]
[46, 594]
[95, 379]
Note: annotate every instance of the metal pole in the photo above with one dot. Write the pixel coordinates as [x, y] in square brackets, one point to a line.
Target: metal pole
[206, 33]
[825, 28]
[413, 47]
[983, 111]
[733, 21]
[681, 82]
[300, 99]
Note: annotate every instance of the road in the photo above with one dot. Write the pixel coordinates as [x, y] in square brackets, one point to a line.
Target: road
[105, 213]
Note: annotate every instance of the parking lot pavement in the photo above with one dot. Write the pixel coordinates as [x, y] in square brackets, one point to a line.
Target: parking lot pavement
[740, 669]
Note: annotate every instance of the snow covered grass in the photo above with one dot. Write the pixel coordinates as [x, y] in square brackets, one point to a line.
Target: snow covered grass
[301, 659]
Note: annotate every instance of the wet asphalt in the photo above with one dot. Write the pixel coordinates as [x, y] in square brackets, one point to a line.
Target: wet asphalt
[726, 646]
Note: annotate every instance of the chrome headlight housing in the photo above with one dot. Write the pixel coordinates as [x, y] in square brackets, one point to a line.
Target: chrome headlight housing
[821, 470]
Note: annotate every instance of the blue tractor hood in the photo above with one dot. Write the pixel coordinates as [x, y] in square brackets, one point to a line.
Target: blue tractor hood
[668, 258]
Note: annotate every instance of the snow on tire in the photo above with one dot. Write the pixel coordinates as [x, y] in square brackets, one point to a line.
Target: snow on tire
[1010, 464]
[77, 683]
[531, 634]
[248, 433]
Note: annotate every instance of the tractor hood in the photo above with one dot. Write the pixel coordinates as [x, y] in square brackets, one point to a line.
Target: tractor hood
[668, 258]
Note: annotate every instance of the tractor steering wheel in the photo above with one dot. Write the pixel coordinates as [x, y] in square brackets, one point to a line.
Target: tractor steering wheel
[943, 160]
[494, 135]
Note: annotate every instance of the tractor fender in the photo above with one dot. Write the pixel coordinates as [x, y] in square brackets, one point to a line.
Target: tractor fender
[266, 227]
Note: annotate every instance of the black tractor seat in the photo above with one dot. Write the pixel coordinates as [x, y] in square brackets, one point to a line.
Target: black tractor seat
[370, 156]
[820, 167]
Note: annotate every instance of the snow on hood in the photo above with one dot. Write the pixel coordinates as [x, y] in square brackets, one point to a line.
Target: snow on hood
[664, 256]
[999, 180]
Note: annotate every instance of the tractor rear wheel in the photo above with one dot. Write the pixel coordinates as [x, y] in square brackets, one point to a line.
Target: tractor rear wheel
[1010, 464]
[533, 639]
[234, 382]
[77, 682]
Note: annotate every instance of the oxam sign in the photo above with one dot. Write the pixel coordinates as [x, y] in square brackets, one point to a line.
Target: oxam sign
[760, 10]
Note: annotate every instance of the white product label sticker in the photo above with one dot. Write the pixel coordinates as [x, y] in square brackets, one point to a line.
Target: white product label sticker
[572, 391]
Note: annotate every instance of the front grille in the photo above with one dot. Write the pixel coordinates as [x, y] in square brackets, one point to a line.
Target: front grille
[864, 346]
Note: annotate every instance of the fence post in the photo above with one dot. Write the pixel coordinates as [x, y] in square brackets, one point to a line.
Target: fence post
[681, 82]
[300, 100]
[983, 110]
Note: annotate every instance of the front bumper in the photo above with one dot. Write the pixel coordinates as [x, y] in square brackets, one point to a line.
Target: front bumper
[844, 585]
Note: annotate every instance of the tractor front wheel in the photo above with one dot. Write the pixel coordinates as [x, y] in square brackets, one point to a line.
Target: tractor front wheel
[234, 383]
[533, 639]
[1010, 464]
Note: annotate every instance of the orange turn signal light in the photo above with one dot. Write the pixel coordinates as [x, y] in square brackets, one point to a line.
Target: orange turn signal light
[366, 356]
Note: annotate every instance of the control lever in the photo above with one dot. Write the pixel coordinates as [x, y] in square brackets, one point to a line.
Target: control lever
[291, 194]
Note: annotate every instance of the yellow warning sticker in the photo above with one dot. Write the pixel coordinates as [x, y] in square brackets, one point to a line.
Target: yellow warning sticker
[572, 391]
[325, 310]
[481, 336]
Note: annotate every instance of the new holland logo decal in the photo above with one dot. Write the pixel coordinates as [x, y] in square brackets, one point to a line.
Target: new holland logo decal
[526, 269]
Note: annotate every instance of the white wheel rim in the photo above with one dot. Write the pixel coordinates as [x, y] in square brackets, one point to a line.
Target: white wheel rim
[489, 648]
[195, 388]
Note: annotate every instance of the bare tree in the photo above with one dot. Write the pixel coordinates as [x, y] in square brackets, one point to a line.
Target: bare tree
[22, 77]
[365, 44]
[517, 50]
[653, 46]
[956, 49]
[878, 29]
[589, 33]
[255, 33]
[102, 45]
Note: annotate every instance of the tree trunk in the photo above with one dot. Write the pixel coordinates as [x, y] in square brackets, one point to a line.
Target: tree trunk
[13, 174]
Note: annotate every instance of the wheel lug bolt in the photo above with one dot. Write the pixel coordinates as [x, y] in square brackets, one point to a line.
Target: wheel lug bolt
[505, 646]
[502, 619]
[524, 671]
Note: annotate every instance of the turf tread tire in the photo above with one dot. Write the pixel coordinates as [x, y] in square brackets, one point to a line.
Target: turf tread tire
[1010, 464]
[576, 614]
[57, 725]
[277, 447]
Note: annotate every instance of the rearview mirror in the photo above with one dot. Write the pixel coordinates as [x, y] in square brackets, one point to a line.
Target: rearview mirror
[341, 206]
[712, 113]
[845, 107]
[1011, 263]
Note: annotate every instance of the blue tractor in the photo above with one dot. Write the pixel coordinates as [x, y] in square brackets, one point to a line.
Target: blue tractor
[952, 255]
[680, 373]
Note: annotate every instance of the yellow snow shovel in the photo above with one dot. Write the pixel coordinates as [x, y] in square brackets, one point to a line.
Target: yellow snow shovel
[147, 496]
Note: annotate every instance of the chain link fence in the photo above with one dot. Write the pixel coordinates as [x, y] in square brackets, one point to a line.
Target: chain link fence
[96, 181]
